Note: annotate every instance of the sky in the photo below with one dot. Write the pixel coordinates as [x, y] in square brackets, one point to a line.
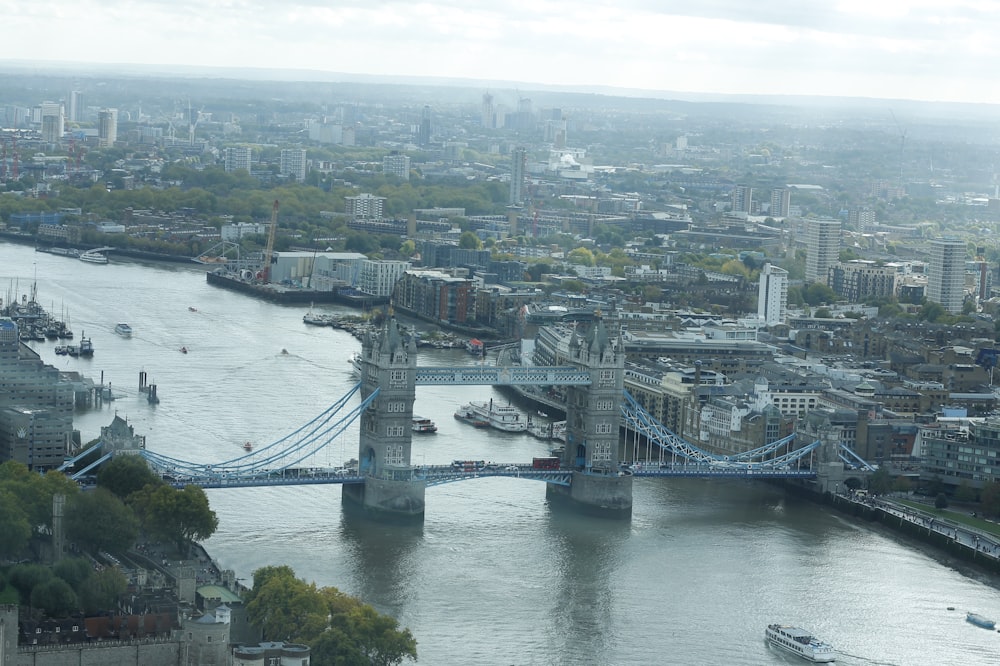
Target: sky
[941, 50]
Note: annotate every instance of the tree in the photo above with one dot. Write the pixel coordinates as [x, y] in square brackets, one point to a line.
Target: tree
[15, 530]
[990, 498]
[99, 520]
[375, 635]
[73, 570]
[941, 501]
[124, 475]
[965, 492]
[101, 591]
[175, 515]
[286, 608]
[55, 597]
[901, 484]
[581, 256]
[470, 241]
[880, 482]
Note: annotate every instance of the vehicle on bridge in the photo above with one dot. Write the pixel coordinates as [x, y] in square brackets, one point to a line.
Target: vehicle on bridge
[468, 465]
[548, 462]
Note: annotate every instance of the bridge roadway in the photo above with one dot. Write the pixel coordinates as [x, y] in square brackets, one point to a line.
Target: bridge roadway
[439, 474]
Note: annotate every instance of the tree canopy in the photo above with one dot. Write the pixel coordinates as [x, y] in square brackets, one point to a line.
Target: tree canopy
[176, 516]
[340, 629]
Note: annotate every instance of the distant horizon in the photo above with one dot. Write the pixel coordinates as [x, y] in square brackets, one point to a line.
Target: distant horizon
[920, 50]
[264, 74]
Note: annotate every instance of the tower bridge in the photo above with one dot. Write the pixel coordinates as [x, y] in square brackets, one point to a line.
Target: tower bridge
[590, 476]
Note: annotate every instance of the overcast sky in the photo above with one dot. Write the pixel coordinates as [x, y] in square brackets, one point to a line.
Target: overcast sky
[914, 49]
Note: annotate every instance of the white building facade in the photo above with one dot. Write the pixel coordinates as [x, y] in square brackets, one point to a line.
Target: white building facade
[946, 274]
[772, 295]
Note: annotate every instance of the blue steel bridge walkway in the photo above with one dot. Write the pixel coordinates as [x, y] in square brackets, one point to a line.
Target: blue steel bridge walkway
[287, 460]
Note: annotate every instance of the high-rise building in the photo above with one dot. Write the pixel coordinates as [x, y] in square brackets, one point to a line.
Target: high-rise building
[396, 164]
[781, 201]
[742, 199]
[946, 274]
[860, 280]
[822, 248]
[772, 296]
[53, 121]
[860, 219]
[76, 104]
[424, 130]
[488, 117]
[364, 207]
[518, 167]
[293, 163]
[238, 157]
[107, 127]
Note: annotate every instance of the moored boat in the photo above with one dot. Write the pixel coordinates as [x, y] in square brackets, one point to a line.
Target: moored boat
[85, 348]
[980, 621]
[800, 642]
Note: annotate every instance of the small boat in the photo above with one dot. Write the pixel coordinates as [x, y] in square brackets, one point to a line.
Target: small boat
[62, 350]
[123, 330]
[800, 642]
[423, 425]
[192, 308]
[247, 446]
[85, 348]
[980, 621]
[93, 257]
[184, 350]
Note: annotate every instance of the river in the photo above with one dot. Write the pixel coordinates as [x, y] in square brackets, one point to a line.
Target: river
[493, 575]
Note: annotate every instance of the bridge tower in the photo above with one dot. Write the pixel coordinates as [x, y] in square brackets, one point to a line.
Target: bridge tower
[389, 365]
[599, 484]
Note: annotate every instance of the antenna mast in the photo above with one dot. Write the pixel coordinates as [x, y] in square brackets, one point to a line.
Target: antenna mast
[265, 271]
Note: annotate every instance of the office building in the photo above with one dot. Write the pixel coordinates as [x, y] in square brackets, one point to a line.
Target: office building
[364, 207]
[107, 127]
[293, 163]
[238, 157]
[76, 106]
[518, 167]
[772, 295]
[396, 164]
[488, 113]
[53, 118]
[822, 248]
[424, 129]
[946, 274]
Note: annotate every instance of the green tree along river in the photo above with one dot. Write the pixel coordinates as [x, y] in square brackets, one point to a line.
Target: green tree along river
[494, 575]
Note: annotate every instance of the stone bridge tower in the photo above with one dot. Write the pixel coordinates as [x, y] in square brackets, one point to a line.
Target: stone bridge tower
[389, 365]
[593, 418]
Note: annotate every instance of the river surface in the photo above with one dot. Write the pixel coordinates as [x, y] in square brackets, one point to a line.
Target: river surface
[494, 575]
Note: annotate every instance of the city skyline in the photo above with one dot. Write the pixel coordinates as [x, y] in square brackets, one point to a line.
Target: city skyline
[909, 49]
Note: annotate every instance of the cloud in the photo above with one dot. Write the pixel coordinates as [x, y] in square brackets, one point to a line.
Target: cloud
[913, 48]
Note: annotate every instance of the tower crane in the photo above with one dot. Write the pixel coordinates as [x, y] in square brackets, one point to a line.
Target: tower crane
[265, 271]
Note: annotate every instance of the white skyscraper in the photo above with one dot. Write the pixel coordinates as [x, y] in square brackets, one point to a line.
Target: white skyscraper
[822, 248]
[396, 164]
[946, 274]
[293, 163]
[772, 296]
[107, 127]
[76, 102]
[53, 121]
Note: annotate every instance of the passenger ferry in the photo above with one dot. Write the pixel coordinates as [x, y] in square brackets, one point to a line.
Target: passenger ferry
[93, 257]
[501, 417]
[422, 425]
[801, 642]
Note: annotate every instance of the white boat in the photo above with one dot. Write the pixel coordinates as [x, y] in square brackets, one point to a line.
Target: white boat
[501, 417]
[123, 330]
[800, 642]
[423, 425]
[355, 361]
[93, 257]
[980, 621]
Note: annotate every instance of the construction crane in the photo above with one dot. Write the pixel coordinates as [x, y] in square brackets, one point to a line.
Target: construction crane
[265, 271]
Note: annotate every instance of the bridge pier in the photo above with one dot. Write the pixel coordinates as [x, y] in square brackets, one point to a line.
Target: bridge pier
[394, 500]
[607, 495]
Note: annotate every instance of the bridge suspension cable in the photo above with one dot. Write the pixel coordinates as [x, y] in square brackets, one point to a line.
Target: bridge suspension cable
[278, 456]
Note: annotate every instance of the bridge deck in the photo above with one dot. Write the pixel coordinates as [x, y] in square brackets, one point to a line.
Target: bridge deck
[502, 376]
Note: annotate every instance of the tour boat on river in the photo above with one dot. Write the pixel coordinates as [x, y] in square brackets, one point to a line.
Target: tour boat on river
[123, 330]
[801, 642]
[980, 621]
[93, 257]
[501, 417]
[423, 425]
